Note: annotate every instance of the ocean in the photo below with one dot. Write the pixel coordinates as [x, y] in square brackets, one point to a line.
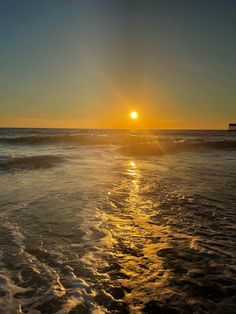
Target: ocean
[117, 221]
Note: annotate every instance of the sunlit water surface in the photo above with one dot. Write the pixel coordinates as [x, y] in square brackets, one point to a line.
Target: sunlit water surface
[98, 231]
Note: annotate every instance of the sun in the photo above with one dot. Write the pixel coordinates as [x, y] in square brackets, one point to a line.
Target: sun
[134, 115]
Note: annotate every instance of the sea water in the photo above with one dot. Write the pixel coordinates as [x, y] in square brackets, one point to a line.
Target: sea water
[117, 221]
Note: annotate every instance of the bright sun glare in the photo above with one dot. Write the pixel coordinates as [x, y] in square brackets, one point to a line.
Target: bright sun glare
[134, 115]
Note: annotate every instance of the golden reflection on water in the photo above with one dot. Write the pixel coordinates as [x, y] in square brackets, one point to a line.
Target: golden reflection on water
[139, 241]
[132, 168]
[134, 239]
[132, 164]
[134, 186]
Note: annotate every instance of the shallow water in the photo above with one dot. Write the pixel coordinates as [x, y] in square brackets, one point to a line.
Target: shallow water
[92, 223]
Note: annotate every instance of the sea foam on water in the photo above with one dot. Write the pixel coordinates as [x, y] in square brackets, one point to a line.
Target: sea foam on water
[117, 221]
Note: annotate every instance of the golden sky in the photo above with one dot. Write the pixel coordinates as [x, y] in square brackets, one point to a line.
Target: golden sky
[87, 64]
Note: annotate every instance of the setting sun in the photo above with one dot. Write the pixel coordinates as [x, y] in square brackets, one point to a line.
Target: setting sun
[134, 115]
[118, 120]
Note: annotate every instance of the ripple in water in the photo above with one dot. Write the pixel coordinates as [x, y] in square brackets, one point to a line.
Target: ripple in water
[105, 233]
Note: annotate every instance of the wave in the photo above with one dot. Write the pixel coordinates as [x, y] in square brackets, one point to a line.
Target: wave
[111, 138]
[135, 143]
[82, 139]
[162, 148]
[29, 162]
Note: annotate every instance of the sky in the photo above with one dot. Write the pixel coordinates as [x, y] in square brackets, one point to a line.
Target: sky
[88, 63]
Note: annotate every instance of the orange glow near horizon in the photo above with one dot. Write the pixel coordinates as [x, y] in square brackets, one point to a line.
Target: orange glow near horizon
[111, 120]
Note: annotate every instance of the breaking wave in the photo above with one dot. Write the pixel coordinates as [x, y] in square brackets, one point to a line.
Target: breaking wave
[162, 148]
[131, 142]
[81, 139]
[29, 162]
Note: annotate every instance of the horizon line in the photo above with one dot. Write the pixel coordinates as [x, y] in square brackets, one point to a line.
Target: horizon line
[90, 128]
